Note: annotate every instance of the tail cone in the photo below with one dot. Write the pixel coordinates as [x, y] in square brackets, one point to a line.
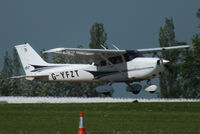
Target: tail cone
[81, 129]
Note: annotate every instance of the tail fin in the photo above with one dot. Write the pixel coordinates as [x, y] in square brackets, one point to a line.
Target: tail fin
[29, 58]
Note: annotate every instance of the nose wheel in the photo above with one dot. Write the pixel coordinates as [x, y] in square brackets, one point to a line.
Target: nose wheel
[150, 87]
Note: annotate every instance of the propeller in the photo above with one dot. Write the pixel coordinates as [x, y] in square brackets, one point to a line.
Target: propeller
[163, 62]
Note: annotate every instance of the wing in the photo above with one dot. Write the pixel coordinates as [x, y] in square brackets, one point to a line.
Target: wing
[159, 49]
[94, 55]
[82, 55]
[82, 51]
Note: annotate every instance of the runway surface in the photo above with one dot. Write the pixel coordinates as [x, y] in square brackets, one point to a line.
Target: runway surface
[21, 99]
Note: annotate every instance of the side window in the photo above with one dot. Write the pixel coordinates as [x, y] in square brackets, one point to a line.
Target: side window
[103, 63]
[115, 60]
[112, 60]
[119, 59]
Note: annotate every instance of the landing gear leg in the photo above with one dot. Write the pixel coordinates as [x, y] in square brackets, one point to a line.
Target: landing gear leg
[134, 88]
[149, 82]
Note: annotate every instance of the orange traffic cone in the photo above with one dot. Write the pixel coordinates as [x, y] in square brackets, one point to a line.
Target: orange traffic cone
[81, 129]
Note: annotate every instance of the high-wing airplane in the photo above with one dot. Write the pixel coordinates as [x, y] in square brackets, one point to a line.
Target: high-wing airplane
[103, 65]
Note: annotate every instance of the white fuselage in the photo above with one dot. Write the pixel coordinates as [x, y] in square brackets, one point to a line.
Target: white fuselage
[140, 68]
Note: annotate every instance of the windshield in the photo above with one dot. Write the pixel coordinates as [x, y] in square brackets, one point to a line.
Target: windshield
[131, 54]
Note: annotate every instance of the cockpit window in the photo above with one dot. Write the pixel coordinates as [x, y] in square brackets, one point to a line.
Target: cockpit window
[129, 55]
[115, 60]
[103, 63]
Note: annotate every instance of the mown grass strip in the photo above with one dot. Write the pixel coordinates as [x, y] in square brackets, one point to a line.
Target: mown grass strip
[101, 118]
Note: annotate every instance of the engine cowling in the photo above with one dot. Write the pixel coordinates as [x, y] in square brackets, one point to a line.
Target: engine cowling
[134, 88]
[104, 88]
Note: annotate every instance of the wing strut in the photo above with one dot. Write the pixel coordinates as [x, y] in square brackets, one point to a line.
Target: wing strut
[115, 47]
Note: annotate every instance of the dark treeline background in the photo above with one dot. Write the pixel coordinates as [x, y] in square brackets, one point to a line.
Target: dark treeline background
[180, 80]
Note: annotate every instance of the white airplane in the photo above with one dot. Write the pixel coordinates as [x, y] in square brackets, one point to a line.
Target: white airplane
[106, 65]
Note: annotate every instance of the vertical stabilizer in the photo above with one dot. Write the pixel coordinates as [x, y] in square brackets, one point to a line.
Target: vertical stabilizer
[29, 58]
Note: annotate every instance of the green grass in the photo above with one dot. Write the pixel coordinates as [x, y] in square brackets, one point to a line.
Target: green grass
[101, 118]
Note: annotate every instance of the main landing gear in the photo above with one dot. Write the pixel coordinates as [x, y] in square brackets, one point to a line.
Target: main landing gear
[136, 88]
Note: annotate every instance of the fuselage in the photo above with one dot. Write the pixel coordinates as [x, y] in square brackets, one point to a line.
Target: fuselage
[140, 68]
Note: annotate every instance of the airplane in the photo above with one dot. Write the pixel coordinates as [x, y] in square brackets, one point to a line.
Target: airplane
[103, 65]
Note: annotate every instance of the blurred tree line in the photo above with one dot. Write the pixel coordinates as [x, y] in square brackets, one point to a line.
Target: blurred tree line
[180, 80]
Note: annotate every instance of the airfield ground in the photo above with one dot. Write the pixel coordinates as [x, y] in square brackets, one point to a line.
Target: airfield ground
[101, 118]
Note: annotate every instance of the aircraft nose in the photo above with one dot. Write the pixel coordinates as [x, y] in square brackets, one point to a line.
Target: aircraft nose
[165, 61]
[162, 61]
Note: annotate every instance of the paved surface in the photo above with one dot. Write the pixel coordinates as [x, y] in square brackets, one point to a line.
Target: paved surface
[22, 99]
